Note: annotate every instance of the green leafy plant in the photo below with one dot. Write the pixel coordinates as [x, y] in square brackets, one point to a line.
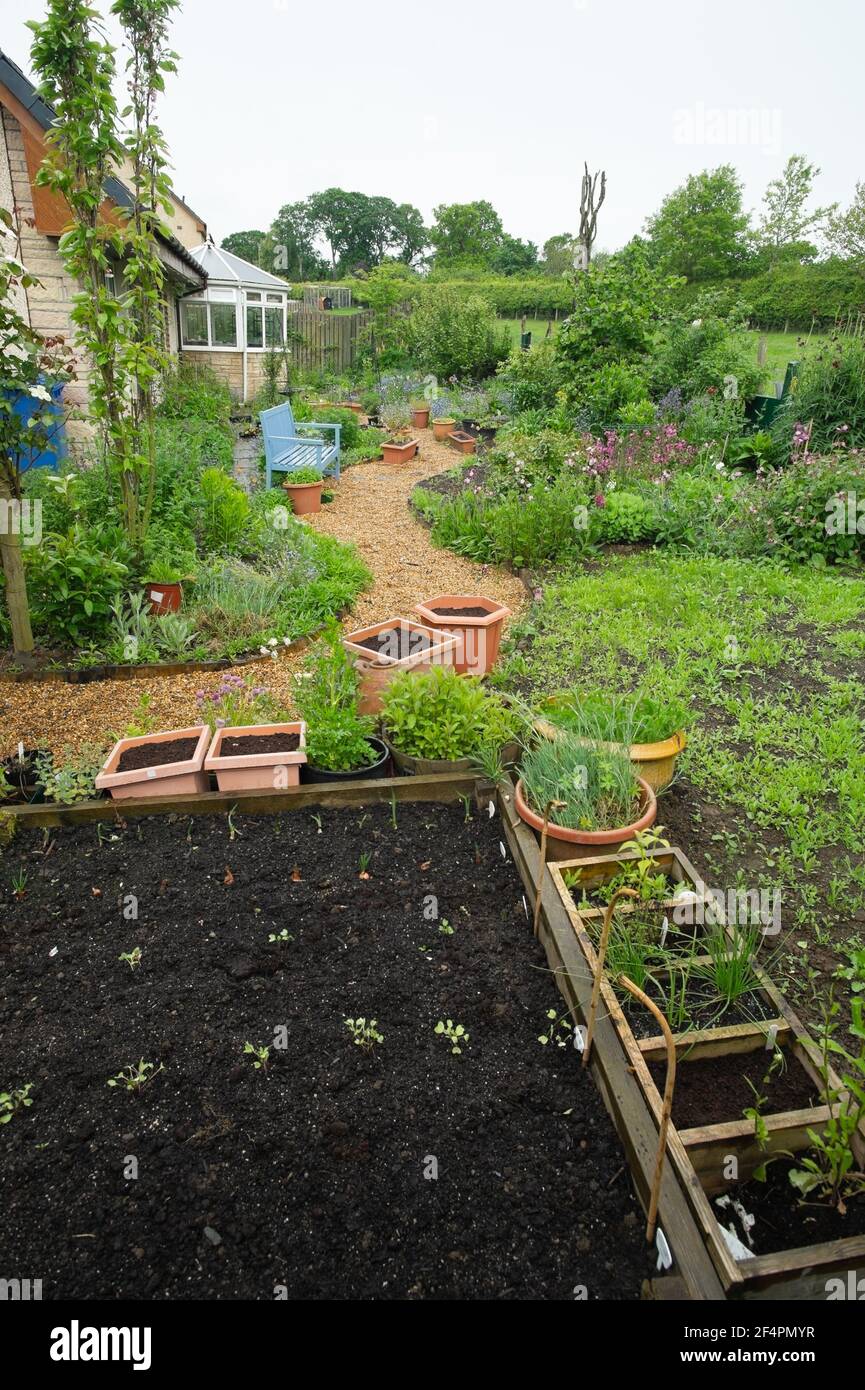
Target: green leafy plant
[226, 511]
[132, 958]
[755, 1112]
[12, 1101]
[326, 695]
[301, 477]
[364, 1032]
[136, 1076]
[281, 938]
[260, 1054]
[598, 789]
[443, 716]
[455, 1034]
[625, 719]
[829, 1171]
[557, 1032]
[72, 777]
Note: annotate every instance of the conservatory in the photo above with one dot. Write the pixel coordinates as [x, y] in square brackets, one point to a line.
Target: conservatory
[240, 315]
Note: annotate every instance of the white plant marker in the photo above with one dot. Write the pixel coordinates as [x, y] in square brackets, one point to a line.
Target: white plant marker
[665, 1254]
[503, 850]
[664, 929]
[525, 907]
[492, 809]
[20, 752]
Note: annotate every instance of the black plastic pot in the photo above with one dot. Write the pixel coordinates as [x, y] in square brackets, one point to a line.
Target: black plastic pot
[380, 768]
[24, 780]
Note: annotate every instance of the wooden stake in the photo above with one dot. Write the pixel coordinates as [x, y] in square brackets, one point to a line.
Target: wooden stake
[602, 955]
[550, 806]
[668, 1100]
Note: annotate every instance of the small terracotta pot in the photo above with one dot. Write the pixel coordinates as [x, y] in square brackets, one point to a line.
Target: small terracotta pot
[304, 497]
[164, 598]
[478, 639]
[165, 779]
[583, 844]
[420, 417]
[442, 428]
[399, 453]
[465, 443]
[251, 771]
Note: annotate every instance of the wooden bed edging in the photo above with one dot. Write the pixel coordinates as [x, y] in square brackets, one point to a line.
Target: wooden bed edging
[447, 786]
[619, 1089]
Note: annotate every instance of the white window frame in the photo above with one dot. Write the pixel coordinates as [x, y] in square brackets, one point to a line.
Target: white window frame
[242, 298]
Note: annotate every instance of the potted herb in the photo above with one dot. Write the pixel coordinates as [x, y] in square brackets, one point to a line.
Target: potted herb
[420, 413]
[401, 447]
[385, 649]
[163, 580]
[650, 728]
[164, 764]
[438, 722]
[304, 490]
[475, 621]
[603, 802]
[341, 745]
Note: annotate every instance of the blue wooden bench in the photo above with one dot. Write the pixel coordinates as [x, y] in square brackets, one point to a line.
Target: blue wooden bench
[286, 449]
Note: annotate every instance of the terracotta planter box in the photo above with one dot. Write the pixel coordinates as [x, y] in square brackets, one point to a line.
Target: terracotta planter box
[164, 598]
[462, 442]
[412, 647]
[420, 418]
[478, 637]
[275, 770]
[573, 845]
[351, 405]
[183, 778]
[399, 453]
[442, 428]
[305, 498]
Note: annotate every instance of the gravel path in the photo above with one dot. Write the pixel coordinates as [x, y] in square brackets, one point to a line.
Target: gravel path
[370, 509]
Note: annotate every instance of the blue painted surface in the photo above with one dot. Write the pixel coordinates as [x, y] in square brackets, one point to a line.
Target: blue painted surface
[286, 451]
[24, 406]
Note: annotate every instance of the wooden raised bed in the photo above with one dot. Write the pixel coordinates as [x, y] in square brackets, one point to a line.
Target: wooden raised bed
[699, 1154]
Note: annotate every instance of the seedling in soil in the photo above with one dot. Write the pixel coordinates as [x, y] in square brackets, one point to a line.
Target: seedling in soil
[132, 958]
[364, 866]
[261, 1055]
[455, 1034]
[446, 929]
[831, 1173]
[365, 1032]
[556, 1034]
[280, 938]
[316, 819]
[19, 884]
[393, 819]
[135, 1078]
[467, 807]
[10, 1101]
[754, 1112]
[233, 831]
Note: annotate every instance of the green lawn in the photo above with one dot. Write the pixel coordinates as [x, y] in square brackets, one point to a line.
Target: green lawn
[537, 328]
[782, 348]
[772, 790]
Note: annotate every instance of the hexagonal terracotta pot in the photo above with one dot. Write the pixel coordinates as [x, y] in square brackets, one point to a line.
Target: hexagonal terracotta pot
[413, 648]
[274, 770]
[182, 778]
[478, 637]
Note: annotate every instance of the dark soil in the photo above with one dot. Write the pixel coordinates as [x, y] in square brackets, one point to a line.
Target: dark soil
[716, 1091]
[259, 743]
[176, 750]
[783, 1220]
[461, 612]
[704, 1010]
[388, 640]
[310, 1175]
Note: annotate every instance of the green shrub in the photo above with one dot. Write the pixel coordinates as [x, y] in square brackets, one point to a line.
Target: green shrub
[534, 377]
[326, 695]
[612, 388]
[72, 581]
[526, 530]
[225, 512]
[704, 347]
[192, 390]
[441, 715]
[450, 336]
[829, 399]
[812, 511]
[351, 433]
[624, 518]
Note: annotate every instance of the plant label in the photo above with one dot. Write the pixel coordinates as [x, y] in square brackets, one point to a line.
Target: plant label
[664, 929]
[492, 809]
[503, 850]
[156, 596]
[665, 1254]
[525, 907]
[151, 774]
[20, 752]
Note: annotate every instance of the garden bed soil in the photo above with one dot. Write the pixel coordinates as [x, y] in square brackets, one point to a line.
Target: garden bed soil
[384, 640]
[461, 612]
[704, 1011]
[176, 750]
[716, 1091]
[311, 1175]
[248, 744]
[783, 1220]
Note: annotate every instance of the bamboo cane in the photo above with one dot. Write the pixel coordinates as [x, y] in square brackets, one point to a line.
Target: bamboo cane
[599, 971]
[668, 1100]
[550, 806]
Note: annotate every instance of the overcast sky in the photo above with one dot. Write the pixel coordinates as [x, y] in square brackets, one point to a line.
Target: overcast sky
[466, 99]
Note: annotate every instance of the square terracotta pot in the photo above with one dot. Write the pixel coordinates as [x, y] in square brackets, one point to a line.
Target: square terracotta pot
[275, 771]
[478, 638]
[465, 443]
[165, 779]
[399, 453]
[377, 669]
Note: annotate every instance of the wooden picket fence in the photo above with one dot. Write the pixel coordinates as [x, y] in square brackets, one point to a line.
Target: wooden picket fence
[326, 340]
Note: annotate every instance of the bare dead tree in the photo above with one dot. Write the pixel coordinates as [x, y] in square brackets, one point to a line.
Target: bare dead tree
[591, 199]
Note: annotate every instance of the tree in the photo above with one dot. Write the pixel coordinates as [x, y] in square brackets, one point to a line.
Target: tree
[466, 232]
[514, 257]
[27, 362]
[786, 222]
[616, 313]
[700, 229]
[410, 235]
[846, 230]
[559, 252]
[289, 248]
[121, 331]
[590, 205]
[247, 245]
[361, 231]
[385, 287]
